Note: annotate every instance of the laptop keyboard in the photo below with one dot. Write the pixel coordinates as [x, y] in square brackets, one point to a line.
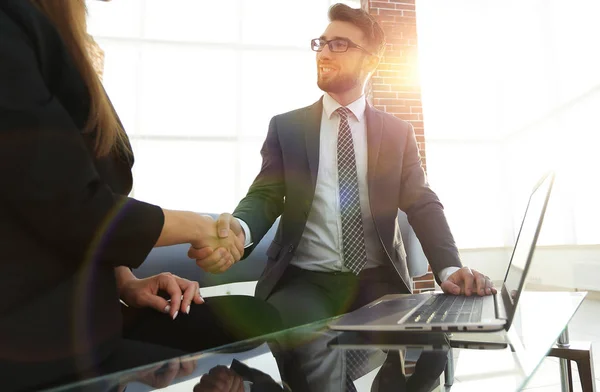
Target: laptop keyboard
[449, 309]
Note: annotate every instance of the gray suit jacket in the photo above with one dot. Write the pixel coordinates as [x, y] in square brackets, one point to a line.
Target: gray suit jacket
[286, 186]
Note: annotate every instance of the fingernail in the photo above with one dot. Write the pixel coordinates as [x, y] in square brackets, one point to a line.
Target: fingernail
[175, 315]
[167, 308]
[188, 309]
[223, 233]
[181, 298]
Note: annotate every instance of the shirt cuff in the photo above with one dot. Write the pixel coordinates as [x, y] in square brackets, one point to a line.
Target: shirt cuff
[446, 272]
[248, 243]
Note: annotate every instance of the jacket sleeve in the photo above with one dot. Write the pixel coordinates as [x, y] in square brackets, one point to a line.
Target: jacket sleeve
[49, 182]
[425, 211]
[263, 203]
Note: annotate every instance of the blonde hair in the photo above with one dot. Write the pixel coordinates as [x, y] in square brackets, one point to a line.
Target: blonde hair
[69, 18]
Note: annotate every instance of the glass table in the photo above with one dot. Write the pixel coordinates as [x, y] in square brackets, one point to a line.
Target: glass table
[315, 358]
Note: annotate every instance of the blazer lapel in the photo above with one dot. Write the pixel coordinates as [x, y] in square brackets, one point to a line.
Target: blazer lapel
[374, 137]
[312, 135]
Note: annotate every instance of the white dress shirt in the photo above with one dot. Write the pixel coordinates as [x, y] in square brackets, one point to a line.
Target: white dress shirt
[320, 248]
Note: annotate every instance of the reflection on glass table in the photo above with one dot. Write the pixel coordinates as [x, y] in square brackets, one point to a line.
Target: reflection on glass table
[315, 358]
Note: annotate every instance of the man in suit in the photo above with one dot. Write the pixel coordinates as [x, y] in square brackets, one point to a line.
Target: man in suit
[337, 172]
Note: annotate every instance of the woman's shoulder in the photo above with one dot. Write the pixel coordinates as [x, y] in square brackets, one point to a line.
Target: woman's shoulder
[23, 15]
[25, 30]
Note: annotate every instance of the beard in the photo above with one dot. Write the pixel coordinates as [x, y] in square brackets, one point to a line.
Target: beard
[339, 83]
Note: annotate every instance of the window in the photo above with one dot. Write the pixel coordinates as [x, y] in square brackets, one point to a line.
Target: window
[196, 82]
[511, 89]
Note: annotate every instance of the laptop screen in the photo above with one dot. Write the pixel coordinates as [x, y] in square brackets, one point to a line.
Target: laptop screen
[527, 238]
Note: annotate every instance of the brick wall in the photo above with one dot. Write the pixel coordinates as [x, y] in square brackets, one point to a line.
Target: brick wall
[395, 87]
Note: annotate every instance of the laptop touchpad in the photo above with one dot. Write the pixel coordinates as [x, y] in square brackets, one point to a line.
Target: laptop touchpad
[385, 311]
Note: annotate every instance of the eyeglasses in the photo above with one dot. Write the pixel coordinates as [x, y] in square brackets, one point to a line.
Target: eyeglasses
[336, 45]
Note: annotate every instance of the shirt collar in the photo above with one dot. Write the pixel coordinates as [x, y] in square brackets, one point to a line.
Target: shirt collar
[357, 107]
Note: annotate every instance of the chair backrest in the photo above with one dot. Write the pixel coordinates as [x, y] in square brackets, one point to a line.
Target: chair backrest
[415, 258]
[174, 259]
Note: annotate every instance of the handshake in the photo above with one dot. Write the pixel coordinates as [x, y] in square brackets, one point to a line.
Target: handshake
[219, 244]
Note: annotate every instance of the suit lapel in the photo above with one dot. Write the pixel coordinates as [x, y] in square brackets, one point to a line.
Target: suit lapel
[312, 135]
[374, 137]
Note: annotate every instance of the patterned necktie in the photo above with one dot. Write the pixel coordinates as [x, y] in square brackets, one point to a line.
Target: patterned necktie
[353, 238]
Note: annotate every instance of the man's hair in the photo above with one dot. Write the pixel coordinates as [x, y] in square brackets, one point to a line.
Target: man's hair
[365, 22]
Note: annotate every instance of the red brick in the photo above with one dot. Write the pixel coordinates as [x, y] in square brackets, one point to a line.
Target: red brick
[385, 18]
[381, 87]
[423, 285]
[390, 12]
[403, 28]
[402, 6]
[402, 50]
[390, 101]
[397, 67]
[407, 95]
[409, 89]
[428, 276]
[405, 111]
[380, 4]
[394, 87]
[385, 94]
[410, 117]
[393, 60]
[389, 74]
[408, 20]
[413, 102]
[397, 81]
[417, 292]
[397, 41]
[376, 79]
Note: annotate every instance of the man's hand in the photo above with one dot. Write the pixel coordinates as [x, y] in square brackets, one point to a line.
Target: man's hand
[141, 293]
[220, 379]
[161, 375]
[466, 281]
[227, 222]
[218, 259]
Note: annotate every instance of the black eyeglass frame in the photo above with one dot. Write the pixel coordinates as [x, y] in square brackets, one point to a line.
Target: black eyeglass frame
[321, 42]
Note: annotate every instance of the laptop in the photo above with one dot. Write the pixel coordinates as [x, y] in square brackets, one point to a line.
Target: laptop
[422, 341]
[449, 313]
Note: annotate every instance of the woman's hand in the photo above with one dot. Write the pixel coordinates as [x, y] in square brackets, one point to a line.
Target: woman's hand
[141, 293]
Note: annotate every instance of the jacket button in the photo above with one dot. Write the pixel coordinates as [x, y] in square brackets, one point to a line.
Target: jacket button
[291, 249]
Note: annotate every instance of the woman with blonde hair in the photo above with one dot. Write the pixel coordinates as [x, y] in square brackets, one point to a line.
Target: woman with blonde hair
[69, 235]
